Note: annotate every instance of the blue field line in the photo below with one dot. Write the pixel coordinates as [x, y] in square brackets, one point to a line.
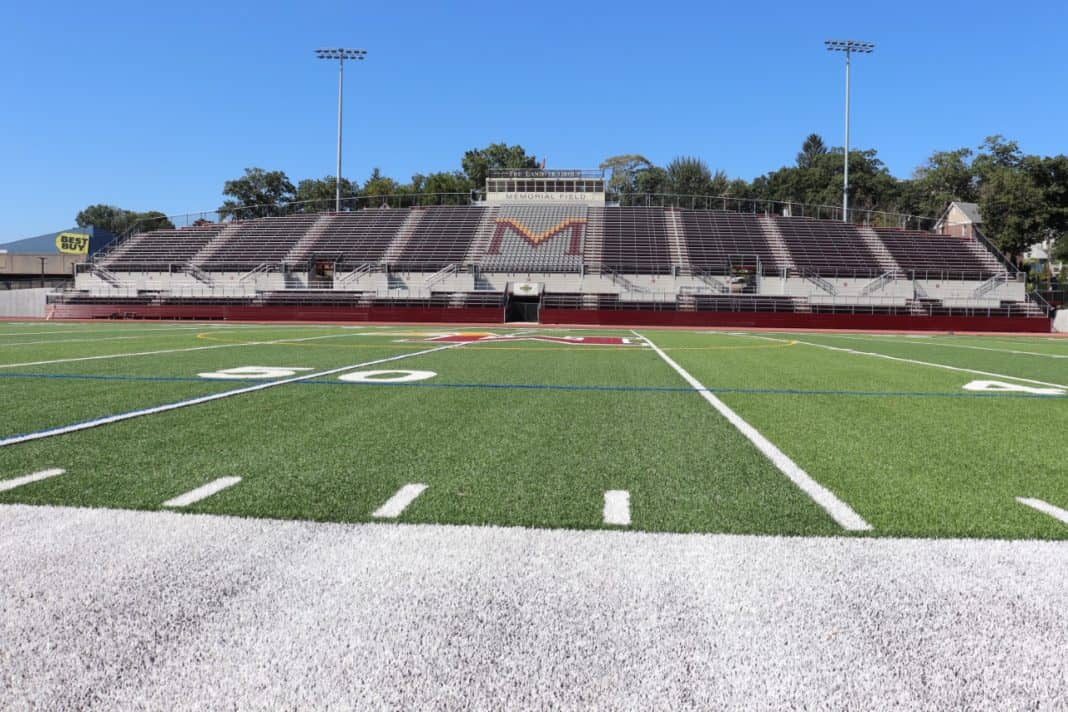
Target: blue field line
[562, 387]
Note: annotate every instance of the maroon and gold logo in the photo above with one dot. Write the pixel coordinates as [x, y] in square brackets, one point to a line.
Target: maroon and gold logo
[574, 225]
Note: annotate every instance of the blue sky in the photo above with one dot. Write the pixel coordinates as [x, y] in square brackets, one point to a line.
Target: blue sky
[154, 105]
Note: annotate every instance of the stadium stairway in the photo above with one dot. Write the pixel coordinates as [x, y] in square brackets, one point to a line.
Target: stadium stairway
[404, 236]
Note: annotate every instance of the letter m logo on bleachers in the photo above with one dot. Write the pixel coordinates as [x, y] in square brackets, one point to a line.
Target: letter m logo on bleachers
[573, 225]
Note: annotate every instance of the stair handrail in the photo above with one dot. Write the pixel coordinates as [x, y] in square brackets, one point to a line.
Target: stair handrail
[881, 281]
[990, 284]
[355, 274]
[260, 268]
[441, 274]
[818, 281]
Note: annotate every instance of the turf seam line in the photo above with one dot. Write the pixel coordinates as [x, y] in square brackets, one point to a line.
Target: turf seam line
[396, 504]
[841, 512]
[559, 387]
[1045, 507]
[202, 492]
[107, 420]
[6, 485]
[878, 354]
[169, 351]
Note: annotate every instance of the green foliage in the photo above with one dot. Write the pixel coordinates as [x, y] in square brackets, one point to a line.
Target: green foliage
[378, 187]
[811, 149]
[947, 176]
[318, 195]
[120, 221]
[478, 162]
[257, 194]
[444, 188]
[624, 171]
[688, 175]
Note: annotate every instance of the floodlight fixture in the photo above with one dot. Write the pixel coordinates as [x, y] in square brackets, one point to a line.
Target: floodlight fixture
[849, 47]
[340, 54]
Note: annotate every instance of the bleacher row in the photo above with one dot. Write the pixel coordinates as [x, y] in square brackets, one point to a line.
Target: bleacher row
[554, 238]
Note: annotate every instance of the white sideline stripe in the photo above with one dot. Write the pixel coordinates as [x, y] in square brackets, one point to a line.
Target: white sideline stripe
[839, 510]
[396, 504]
[945, 345]
[876, 354]
[617, 507]
[1045, 508]
[202, 492]
[85, 425]
[6, 485]
[170, 351]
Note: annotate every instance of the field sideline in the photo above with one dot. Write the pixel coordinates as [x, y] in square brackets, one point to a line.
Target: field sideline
[244, 515]
[675, 431]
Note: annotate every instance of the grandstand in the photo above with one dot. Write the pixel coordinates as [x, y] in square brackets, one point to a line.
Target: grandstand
[550, 240]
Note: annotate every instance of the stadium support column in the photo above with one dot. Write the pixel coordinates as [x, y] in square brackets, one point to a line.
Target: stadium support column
[341, 55]
[849, 47]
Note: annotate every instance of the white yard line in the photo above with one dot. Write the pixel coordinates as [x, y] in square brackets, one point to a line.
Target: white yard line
[617, 508]
[6, 485]
[170, 351]
[396, 504]
[202, 492]
[76, 341]
[91, 330]
[107, 420]
[942, 344]
[876, 354]
[836, 508]
[1045, 508]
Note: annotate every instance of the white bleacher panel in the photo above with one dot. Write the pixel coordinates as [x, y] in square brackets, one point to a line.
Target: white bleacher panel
[537, 238]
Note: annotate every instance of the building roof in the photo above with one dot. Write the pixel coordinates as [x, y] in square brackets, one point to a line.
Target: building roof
[46, 244]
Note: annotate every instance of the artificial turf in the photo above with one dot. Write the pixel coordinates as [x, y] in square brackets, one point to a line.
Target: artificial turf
[532, 433]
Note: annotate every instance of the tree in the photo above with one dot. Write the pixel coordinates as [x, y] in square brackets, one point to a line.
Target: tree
[477, 163]
[256, 194]
[651, 181]
[444, 188]
[946, 177]
[1011, 202]
[120, 221]
[623, 180]
[378, 187]
[691, 176]
[811, 149]
[319, 195]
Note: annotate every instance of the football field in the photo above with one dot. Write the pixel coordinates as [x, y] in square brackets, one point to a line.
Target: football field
[855, 435]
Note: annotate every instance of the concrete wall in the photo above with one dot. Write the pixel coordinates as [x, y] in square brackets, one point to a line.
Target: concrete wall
[31, 264]
[23, 302]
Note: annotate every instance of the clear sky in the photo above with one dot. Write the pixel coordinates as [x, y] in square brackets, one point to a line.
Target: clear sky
[153, 105]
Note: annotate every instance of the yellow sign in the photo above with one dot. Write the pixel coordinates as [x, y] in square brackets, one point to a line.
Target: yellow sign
[72, 243]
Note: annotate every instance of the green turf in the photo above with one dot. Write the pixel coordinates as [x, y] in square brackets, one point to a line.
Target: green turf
[527, 433]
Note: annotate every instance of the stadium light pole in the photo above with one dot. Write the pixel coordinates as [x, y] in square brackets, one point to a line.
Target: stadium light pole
[340, 55]
[849, 47]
